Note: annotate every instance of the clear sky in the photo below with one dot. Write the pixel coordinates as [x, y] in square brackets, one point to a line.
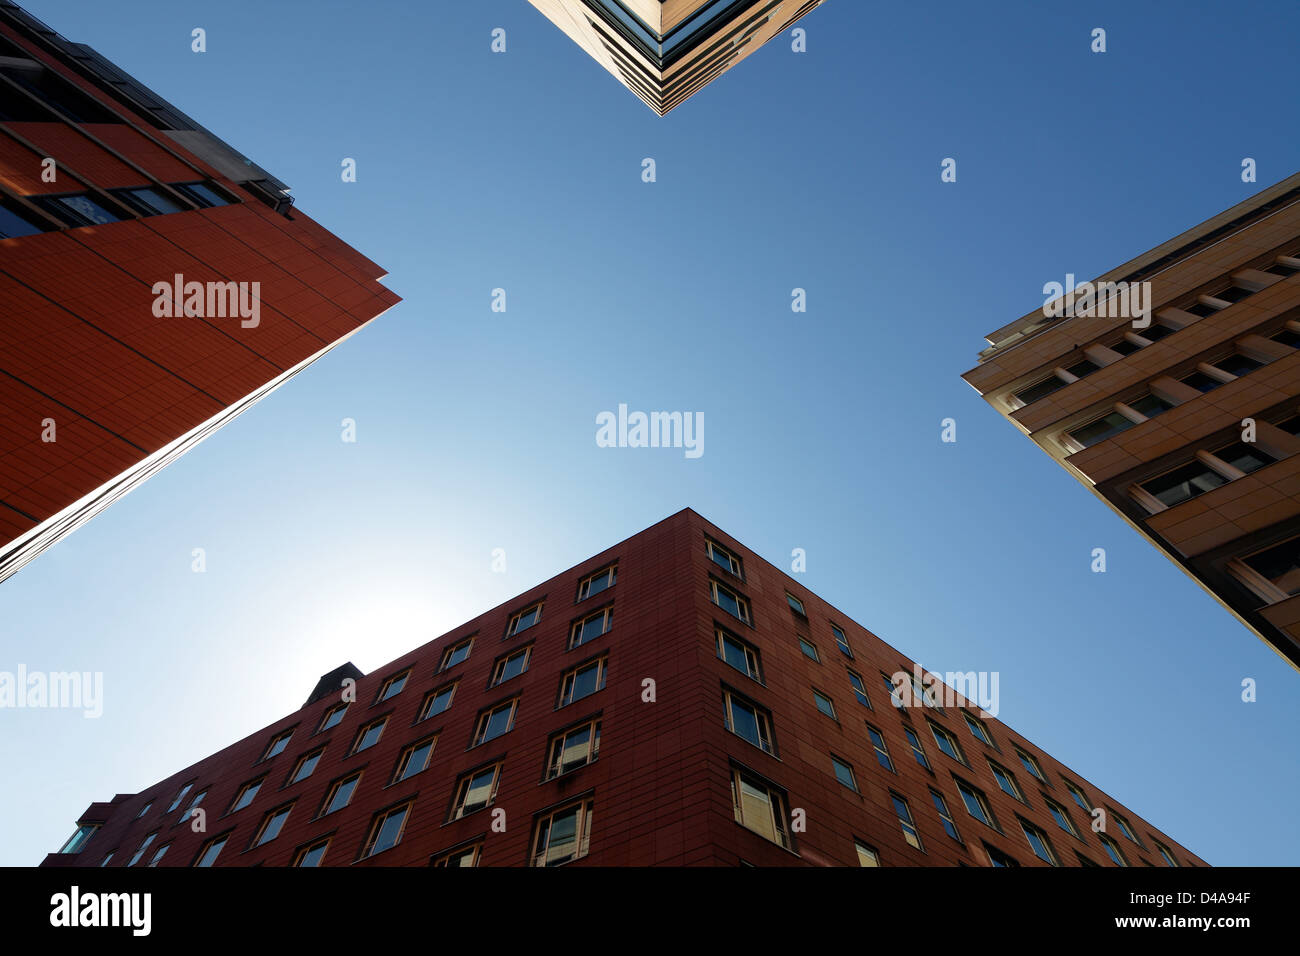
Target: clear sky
[476, 429]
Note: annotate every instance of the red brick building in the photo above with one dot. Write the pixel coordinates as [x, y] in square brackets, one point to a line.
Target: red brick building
[673, 700]
[109, 198]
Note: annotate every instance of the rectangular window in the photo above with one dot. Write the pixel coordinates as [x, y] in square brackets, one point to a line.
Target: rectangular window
[598, 582]
[809, 650]
[272, 823]
[179, 797]
[1165, 853]
[144, 845]
[1007, 781]
[1183, 484]
[573, 749]
[464, 857]
[414, 759]
[842, 641]
[844, 773]
[1040, 389]
[1061, 816]
[1237, 364]
[747, 721]
[563, 835]
[998, 858]
[386, 831]
[867, 855]
[204, 194]
[246, 794]
[1113, 851]
[1030, 763]
[1039, 843]
[455, 654]
[859, 689]
[1244, 457]
[582, 681]
[1124, 828]
[1150, 405]
[332, 717]
[312, 855]
[1279, 566]
[277, 745]
[947, 743]
[437, 700]
[16, 222]
[941, 805]
[512, 665]
[739, 654]
[340, 794]
[144, 810]
[977, 729]
[393, 686]
[78, 840]
[305, 765]
[918, 751]
[882, 751]
[1201, 382]
[211, 850]
[1079, 797]
[724, 559]
[729, 601]
[759, 807]
[157, 857]
[1100, 429]
[904, 812]
[524, 619]
[494, 722]
[824, 704]
[795, 604]
[591, 627]
[148, 201]
[476, 790]
[78, 210]
[977, 804]
[369, 735]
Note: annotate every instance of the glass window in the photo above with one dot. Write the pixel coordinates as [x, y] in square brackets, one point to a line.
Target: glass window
[143, 846]
[729, 601]
[469, 856]
[844, 773]
[414, 759]
[1165, 853]
[947, 743]
[1061, 817]
[1079, 798]
[306, 764]
[495, 722]
[591, 627]
[904, 812]
[1113, 851]
[859, 689]
[149, 201]
[795, 604]
[998, 858]
[582, 681]
[272, 825]
[179, 797]
[203, 194]
[724, 559]
[573, 749]
[157, 857]
[524, 620]
[312, 855]
[563, 835]
[369, 735]
[1280, 564]
[246, 795]
[277, 745]
[1125, 828]
[1182, 484]
[1083, 368]
[598, 582]
[738, 654]
[1155, 332]
[333, 717]
[1201, 382]
[824, 704]
[882, 751]
[747, 721]
[437, 701]
[1006, 781]
[1150, 405]
[78, 210]
[393, 686]
[1098, 430]
[14, 223]
[1039, 843]
[512, 665]
[340, 794]
[78, 840]
[1244, 457]
[917, 750]
[976, 805]
[455, 654]
[941, 805]
[809, 651]
[210, 851]
[1237, 364]
[386, 831]
[977, 729]
[867, 855]
[759, 808]
[1040, 389]
[476, 790]
[1030, 763]
[842, 642]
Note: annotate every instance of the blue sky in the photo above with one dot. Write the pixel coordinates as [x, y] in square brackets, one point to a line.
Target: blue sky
[476, 429]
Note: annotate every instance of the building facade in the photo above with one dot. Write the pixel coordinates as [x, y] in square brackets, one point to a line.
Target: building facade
[666, 50]
[154, 284]
[1171, 389]
[674, 700]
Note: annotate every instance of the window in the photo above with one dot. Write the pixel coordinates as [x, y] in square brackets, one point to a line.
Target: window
[1150, 405]
[106, 860]
[157, 857]
[1165, 853]
[1084, 861]
[332, 717]
[1124, 827]
[1244, 457]
[271, 825]
[941, 805]
[196, 801]
[573, 749]
[598, 582]
[583, 681]
[437, 700]
[211, 849]
[977, 805]
[1288, 337]
[977, 728]
[245, 796]
[14, 223]
[203, 194]
[148, 201]
[494, 722]
[1061, 816]
[312, 855]
[739, 654]
[455, 654]
[1123, 347]
[144, 810]
[842, 641]
[867, 855]
[386, 831]
[759, 807]
[1279, 566]
[947, 743]
[1100, 429]
[369, 735]
[824, 704]
[467, 856]
[305, 765]
[724, 559]
[277, 745]
[1237, 364]
[340, 794]
[795, 604]
[1112, 850]
[79, 210]
[1031, 764]
[809, 650]
[414, 759]
[1007, 781]
[179, 797]
[77, 842]
[998, 858]
[1201, 382]
[1039, 843]
[859, 689]
[1040, 389]
[729, 601]
[591, 627]
[563, 835]
[1083, 368]
[844, 773]
[904, 812]
[917, 750]
[747, 721]
[144, 845]
[476, 790]
[512, 665]
[1183, 484]
[1079, 797]
[393, 686]
[882, 751]
[524, 619]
